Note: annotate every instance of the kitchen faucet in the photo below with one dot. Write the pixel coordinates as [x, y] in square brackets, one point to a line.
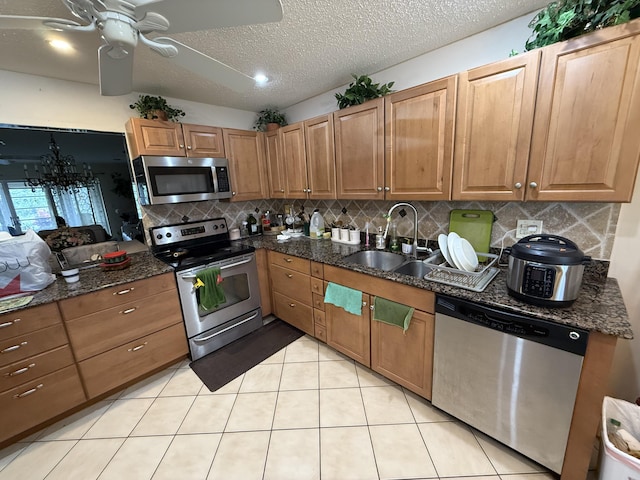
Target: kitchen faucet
[414, 247]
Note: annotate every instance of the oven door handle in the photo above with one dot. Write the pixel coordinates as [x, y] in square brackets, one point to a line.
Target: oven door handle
[209, 337]
[224, 267]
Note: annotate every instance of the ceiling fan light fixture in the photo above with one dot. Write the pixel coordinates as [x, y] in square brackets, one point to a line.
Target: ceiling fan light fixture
[261, 79]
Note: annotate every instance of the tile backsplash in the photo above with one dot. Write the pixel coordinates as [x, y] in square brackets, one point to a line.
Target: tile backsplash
[591, 226]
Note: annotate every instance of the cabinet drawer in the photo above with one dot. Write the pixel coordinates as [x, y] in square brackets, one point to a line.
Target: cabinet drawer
[34, 402]
[28, 320]
[321, 333]
[318, 317]
[317, 286]
[24, 346]
[291, 311]
[114, 296]
[117, 366]
[104, 330]
[317, 269]
[318, 301]
[33, 367]
[291, 283]
[298, 264]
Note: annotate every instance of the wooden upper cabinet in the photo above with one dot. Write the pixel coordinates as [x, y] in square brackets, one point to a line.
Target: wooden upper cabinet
[245, 151]
[275, 164]
[586, 141]
[493, 131]
[321, 160]
[419, 126]
[294, 160]
[203, 141]
[156, 137]
[359, 137]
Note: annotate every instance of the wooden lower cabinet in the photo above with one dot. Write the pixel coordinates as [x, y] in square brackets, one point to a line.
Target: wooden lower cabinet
[33, 367]
[349, 333]
[34, 402]
[117, 366]
[294, 312]
[405, 357]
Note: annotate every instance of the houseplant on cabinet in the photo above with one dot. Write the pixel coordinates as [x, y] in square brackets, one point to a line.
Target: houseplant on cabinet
[270, 119]
[151, 108]
[361, 90]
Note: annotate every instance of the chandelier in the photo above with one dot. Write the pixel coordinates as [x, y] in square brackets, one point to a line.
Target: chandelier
[59, 171]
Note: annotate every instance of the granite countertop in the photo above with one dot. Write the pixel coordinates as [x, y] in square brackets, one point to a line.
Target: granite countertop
[599, 306]
[143, 265]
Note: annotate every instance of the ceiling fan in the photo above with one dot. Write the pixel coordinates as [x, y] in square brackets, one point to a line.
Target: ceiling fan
[122, 23]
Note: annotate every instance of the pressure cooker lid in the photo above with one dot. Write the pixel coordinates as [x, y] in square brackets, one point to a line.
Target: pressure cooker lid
[549, 249]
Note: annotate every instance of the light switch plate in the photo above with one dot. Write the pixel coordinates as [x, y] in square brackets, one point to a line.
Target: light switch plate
[528, 227]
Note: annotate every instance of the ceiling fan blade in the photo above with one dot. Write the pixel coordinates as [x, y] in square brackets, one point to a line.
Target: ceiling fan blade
[17, 22]
[208, 67]
[116, 72]
[194, 15]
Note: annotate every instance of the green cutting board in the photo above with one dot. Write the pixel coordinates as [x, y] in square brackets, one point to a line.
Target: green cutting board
[474, 225]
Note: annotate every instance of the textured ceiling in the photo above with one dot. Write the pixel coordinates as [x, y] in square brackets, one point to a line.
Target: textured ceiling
[314, 49]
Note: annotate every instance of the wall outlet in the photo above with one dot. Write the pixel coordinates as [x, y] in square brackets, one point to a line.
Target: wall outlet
[528, 227]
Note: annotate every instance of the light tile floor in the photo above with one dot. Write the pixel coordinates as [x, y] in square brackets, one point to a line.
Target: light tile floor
[306, 412]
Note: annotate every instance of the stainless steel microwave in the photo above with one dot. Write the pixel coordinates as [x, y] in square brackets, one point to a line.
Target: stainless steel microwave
[181, 179]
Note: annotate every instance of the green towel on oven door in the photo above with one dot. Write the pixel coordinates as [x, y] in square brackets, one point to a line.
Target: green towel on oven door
[209, 288]
[392, 313]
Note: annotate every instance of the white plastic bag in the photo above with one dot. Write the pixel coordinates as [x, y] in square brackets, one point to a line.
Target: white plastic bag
[616, 464]
[24, 264]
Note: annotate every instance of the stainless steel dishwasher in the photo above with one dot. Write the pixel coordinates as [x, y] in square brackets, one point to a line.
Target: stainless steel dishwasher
[512, 377]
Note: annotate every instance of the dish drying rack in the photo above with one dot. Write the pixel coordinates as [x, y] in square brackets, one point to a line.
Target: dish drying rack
[475, 281]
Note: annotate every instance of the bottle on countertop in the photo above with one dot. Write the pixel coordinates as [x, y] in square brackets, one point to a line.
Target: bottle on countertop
[253, 224]
[316, 227]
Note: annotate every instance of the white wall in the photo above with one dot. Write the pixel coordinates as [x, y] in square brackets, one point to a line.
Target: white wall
[40, 101]
[625, 266]
[480, 49]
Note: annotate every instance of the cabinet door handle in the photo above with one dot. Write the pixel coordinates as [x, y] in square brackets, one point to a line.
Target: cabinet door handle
[188, 147]
[135, 349]
[20, 371]
[386, 189]
[292, 305]
[8, 324]
[123, 292]
[518, 186]
[28, 392]
[233, 194]
[364, 304]
[533, 185]
[282, 190]
[13, 347]
[371, 307]
[128, 311]
[289, 275]
[181, 145]
[379, 189]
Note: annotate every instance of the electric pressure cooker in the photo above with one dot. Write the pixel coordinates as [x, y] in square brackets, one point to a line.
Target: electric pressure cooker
[545, 270]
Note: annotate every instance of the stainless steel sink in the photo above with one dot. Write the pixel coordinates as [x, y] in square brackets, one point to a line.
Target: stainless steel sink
[381, 260]
[414, 268]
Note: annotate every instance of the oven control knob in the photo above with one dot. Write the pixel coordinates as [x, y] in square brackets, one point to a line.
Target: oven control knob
[215, 227]
[168, 234]
[159, 236]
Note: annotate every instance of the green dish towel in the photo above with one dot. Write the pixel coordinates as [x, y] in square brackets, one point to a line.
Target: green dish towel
[345, 297]
[210, 291]
[392, 313]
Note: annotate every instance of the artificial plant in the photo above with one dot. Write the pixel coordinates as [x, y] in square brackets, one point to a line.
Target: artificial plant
[148, 106]
[269, 115]
[361, 90]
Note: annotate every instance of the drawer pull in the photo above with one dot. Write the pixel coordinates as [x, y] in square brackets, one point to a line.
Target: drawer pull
[292, 305]
[288, 260]
[122, 292]
[128, 310]
[28, 392]
[289, 275]
[135, 349]
[13, 347]
[8, 324]
[20, 371]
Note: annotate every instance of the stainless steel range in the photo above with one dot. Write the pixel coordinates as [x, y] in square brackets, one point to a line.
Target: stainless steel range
[193, 247]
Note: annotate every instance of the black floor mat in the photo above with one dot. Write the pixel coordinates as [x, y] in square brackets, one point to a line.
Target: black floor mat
[220, 367]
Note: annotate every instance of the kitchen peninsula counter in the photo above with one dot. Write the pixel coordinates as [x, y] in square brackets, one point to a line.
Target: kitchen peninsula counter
[143, 265]
[599, 306]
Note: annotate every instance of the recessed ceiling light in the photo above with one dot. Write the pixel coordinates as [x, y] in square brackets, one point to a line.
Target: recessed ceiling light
[61, 45]
[261, 78]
